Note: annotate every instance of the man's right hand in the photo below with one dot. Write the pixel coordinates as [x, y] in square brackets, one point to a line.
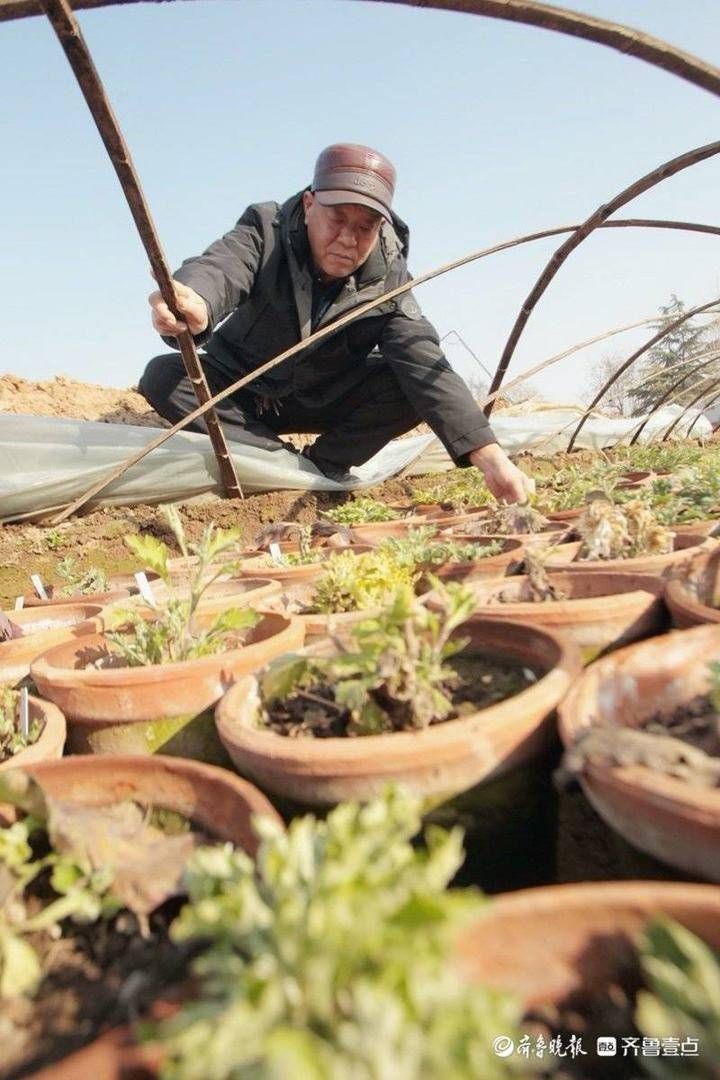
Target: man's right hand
[189, 303]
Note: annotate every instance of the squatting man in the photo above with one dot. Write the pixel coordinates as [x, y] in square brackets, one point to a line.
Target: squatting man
[287, 270]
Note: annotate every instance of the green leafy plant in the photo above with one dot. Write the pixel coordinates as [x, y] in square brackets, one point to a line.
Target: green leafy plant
[54, 539]
[80, 582]
[419, 549]
[332, 957]
[11, 740]
[395, 678]
[174, 634]
[361, 511]
[459, 490]
[360, 582]
[682, 999]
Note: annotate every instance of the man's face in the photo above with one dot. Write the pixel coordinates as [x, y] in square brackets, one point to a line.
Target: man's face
[340, 237]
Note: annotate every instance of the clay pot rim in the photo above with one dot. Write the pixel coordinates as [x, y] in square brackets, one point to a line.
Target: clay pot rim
[54, 725]
[583, 895]
[610, 603]
[42, 613]
[679, 598]
[44, 667]
[640, 780]
[248, 565]
[569, 917]
[686, 544]
[489, 720]
[98, 769]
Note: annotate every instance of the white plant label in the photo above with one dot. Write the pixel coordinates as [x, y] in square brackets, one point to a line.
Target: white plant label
[38, 586]
[19, 603]
[276, 553]
[145, 589]
[24, 713]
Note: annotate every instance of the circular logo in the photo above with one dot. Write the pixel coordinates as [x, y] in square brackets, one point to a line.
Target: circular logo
[503, 1046]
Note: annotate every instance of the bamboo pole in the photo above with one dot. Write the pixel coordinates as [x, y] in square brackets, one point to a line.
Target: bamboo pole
[119, 470]
[636, 356]
[714, 355]
[638, 187]
[68, 32]
[623, 39]
[676, 421]
[706, 405]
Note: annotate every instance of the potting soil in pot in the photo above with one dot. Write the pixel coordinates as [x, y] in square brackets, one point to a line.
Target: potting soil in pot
[85, 942]
[684, 743]
[481, 681]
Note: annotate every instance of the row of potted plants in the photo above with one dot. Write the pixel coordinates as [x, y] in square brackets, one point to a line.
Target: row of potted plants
[397, 682]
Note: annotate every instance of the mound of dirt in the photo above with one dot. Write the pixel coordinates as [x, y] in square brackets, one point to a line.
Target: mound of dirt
[71, 399]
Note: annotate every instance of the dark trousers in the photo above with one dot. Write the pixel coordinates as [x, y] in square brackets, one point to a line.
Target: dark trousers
[351, 430]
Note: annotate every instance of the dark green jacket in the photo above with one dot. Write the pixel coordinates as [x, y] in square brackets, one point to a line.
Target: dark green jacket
[257, 283]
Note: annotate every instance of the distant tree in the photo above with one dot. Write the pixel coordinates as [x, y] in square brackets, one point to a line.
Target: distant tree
[674, 355]
[617, 401]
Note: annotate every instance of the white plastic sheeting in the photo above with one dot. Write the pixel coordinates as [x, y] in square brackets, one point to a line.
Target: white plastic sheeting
[45, 462]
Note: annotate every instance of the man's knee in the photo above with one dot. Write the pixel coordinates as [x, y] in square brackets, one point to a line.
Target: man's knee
[160, 378]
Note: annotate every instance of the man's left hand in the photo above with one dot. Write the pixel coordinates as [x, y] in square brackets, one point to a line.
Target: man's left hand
[505, 480]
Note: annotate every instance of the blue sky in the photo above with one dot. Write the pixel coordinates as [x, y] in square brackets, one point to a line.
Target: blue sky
[496, 130]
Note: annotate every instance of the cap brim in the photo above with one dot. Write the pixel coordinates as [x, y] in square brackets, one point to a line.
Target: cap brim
[337, 198]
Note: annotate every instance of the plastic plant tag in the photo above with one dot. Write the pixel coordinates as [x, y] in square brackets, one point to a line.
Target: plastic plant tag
[276, 553]
[19, 603]
[38, 586]
[144, 587]
[24, 711]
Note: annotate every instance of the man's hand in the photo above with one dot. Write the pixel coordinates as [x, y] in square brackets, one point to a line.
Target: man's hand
[188, 302]
[505, 480]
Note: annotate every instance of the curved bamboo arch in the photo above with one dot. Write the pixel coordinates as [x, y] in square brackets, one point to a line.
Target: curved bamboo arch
[631, 360]
[706, 405]
[649, 180]
[331, 328]
[613, 35]
[712, 358]
[690, 404]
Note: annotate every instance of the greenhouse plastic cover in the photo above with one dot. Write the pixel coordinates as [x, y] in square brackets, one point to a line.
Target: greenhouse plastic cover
[47, 462]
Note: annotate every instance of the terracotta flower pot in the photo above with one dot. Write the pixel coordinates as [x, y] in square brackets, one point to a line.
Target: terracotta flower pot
[686, 547]
[601, 611]
[553, 533]
[160, 707]
[317, 624]
[215, 799]
[563, 515]
[493, 566]
[42, 628]
[51, 740]
[290, 575]
[567, 943]
[690, 599]
[121, 586]
[439, 762]
[707, 527]
[670, 819]
[227, 592]
[377, 531]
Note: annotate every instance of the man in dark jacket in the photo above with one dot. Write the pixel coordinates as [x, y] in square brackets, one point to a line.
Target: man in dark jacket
[286, 271]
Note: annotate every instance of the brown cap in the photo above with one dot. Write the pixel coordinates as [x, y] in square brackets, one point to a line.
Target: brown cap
[348, 173]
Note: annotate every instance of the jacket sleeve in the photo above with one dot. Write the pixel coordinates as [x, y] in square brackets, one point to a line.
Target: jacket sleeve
[441, 398]
[225, 272]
